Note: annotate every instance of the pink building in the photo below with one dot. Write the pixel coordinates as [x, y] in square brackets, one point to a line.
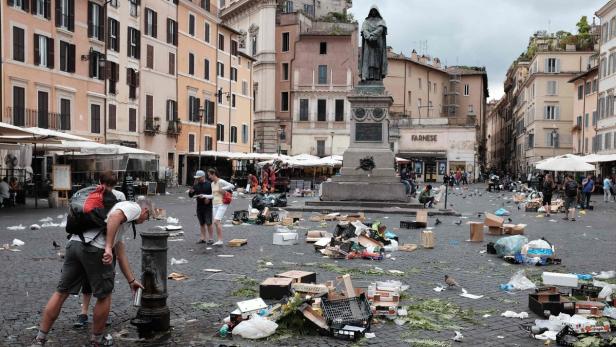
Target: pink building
[584, 110]
[50, 76]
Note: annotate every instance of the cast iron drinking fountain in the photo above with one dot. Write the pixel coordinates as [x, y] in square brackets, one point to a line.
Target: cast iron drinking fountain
[153, 315]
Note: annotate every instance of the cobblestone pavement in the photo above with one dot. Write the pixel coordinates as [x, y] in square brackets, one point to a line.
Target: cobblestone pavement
[29, 277]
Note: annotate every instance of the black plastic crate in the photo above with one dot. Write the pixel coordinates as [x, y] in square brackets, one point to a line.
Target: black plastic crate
[586, 290]
[412, 224]
[241, 215]
[350, 311]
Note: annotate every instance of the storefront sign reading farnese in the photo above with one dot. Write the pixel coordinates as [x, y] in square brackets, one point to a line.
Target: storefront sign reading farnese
[426, 138]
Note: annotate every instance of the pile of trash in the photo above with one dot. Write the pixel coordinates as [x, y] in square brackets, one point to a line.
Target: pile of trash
[579, 318]
[516, 249]
[261, 201]
[357, 240]
[269, 216]
[298, 303]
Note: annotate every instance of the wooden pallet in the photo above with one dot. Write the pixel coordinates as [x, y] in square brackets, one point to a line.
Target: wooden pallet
[237, 242]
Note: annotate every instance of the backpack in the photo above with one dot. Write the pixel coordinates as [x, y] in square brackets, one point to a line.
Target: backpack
[571, 189]
[88, 209]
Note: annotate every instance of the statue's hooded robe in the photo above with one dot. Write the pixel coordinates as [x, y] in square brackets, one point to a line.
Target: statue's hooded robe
[373, 63]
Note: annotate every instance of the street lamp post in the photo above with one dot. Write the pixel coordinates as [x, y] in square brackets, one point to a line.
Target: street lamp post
[200, 114]
[228, 95]
[332, 144]
[554, 137]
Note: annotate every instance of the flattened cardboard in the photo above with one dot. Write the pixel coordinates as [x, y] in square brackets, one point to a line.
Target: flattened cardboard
[237, 242]
[308, 288]
[299, 276]
[367, 242]
[495, 231]
[314, 317]
[493, 220]
[476, 229]
[422, 216]
[285, 239]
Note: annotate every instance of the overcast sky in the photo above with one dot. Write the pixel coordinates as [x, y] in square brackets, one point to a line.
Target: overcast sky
[490, 33]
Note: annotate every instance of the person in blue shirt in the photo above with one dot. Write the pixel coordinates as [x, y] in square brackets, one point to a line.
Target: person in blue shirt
[588, 187]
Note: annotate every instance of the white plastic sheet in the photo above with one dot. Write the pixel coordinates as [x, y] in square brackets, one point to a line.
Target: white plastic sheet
[255, 328]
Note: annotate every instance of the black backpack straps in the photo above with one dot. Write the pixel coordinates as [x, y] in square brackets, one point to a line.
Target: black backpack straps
[134, 230]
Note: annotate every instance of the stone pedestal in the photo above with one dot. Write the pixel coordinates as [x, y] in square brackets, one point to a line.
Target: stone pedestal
[369, 141]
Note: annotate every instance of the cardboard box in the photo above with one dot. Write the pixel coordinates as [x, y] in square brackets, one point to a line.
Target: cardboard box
[367, 242]
[315, 235]
[476, 229]
[249, 307]
[315, 289]
[518, 229]
[237, 242]
[299, 276]
[427, 239]
[287, 221]
[495, 230]
[356, 217]
[314, 317]
[275, 288]
[422, 216]
[494, 220]
[285, 239]
[384, 308]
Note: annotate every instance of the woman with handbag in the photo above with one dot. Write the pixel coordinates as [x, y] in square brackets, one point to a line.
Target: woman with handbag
[221, 191]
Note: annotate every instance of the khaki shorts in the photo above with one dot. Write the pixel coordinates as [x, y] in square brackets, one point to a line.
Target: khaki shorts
[84, 263]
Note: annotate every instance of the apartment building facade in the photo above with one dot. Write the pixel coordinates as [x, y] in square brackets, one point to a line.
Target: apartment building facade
[51, 77]
[158, 114]
[234, 99]
[605, 139]
[316, 70]
[438, 115]
[196, 82]
[546, 104]
[585, 111]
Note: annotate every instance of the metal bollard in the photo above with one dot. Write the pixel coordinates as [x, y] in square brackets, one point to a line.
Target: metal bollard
[153, 315]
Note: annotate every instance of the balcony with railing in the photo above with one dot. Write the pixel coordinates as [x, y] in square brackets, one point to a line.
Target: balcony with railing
[26, 117]
[152, 126]
[174, 127]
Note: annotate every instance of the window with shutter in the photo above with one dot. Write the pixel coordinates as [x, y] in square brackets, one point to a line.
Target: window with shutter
[191, 25]
[322, 74]
[172, 32]
[221, 42]
[149, 107]
[43, 107]
[171, 63]
[113, 37]
[150, 57]
[284, 101]
[321, 110]
[206, 35]
[234, 47]
[19, 44]
[132, 120]
[233, 134]
[191, 143]
[209, 112]
[111, 118]
[244, 133]
[220, 132]
[95, 119]
[65, 114]
[206, 69]
[191, 63]
[303, 110]
[285, 42]
[19, 106]
[339, 117]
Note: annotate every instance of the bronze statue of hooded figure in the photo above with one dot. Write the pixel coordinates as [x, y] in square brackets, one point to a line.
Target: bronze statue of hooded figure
[373, 64]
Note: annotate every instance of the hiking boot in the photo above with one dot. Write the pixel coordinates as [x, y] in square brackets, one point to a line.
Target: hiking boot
[82, 321]
[38, 342]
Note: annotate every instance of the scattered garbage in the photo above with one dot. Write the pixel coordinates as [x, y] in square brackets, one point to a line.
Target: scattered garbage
[17, 243]
[255, 328]
[502, 212]
[16, 227]
[518, 282]
[50, 225]
[559, 279]
[511, 314]
[470, 296]
[510, 245]
[178, 261]
[605, 275]
[172, 227]
[46, 219]
[458, 337]
[176, 276]
[171, 220]
[35, 227]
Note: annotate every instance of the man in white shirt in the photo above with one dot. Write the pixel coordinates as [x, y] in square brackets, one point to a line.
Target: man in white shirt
[94, 260]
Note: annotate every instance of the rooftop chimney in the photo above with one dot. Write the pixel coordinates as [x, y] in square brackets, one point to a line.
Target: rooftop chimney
[436, 63]
[414, 55]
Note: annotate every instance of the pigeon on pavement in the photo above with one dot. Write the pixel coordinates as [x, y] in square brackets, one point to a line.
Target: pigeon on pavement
[451, 282]
[55, 245]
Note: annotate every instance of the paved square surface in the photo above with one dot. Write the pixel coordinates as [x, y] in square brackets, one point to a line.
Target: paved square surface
[30, 276]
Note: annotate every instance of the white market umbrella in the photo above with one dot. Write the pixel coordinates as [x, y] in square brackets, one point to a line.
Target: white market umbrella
[599, 158]
[565, 163]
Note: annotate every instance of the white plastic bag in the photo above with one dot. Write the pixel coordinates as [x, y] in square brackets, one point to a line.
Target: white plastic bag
[521, 282]
[255, 328]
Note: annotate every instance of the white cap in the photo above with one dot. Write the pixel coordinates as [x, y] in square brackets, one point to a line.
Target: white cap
[200, 174]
